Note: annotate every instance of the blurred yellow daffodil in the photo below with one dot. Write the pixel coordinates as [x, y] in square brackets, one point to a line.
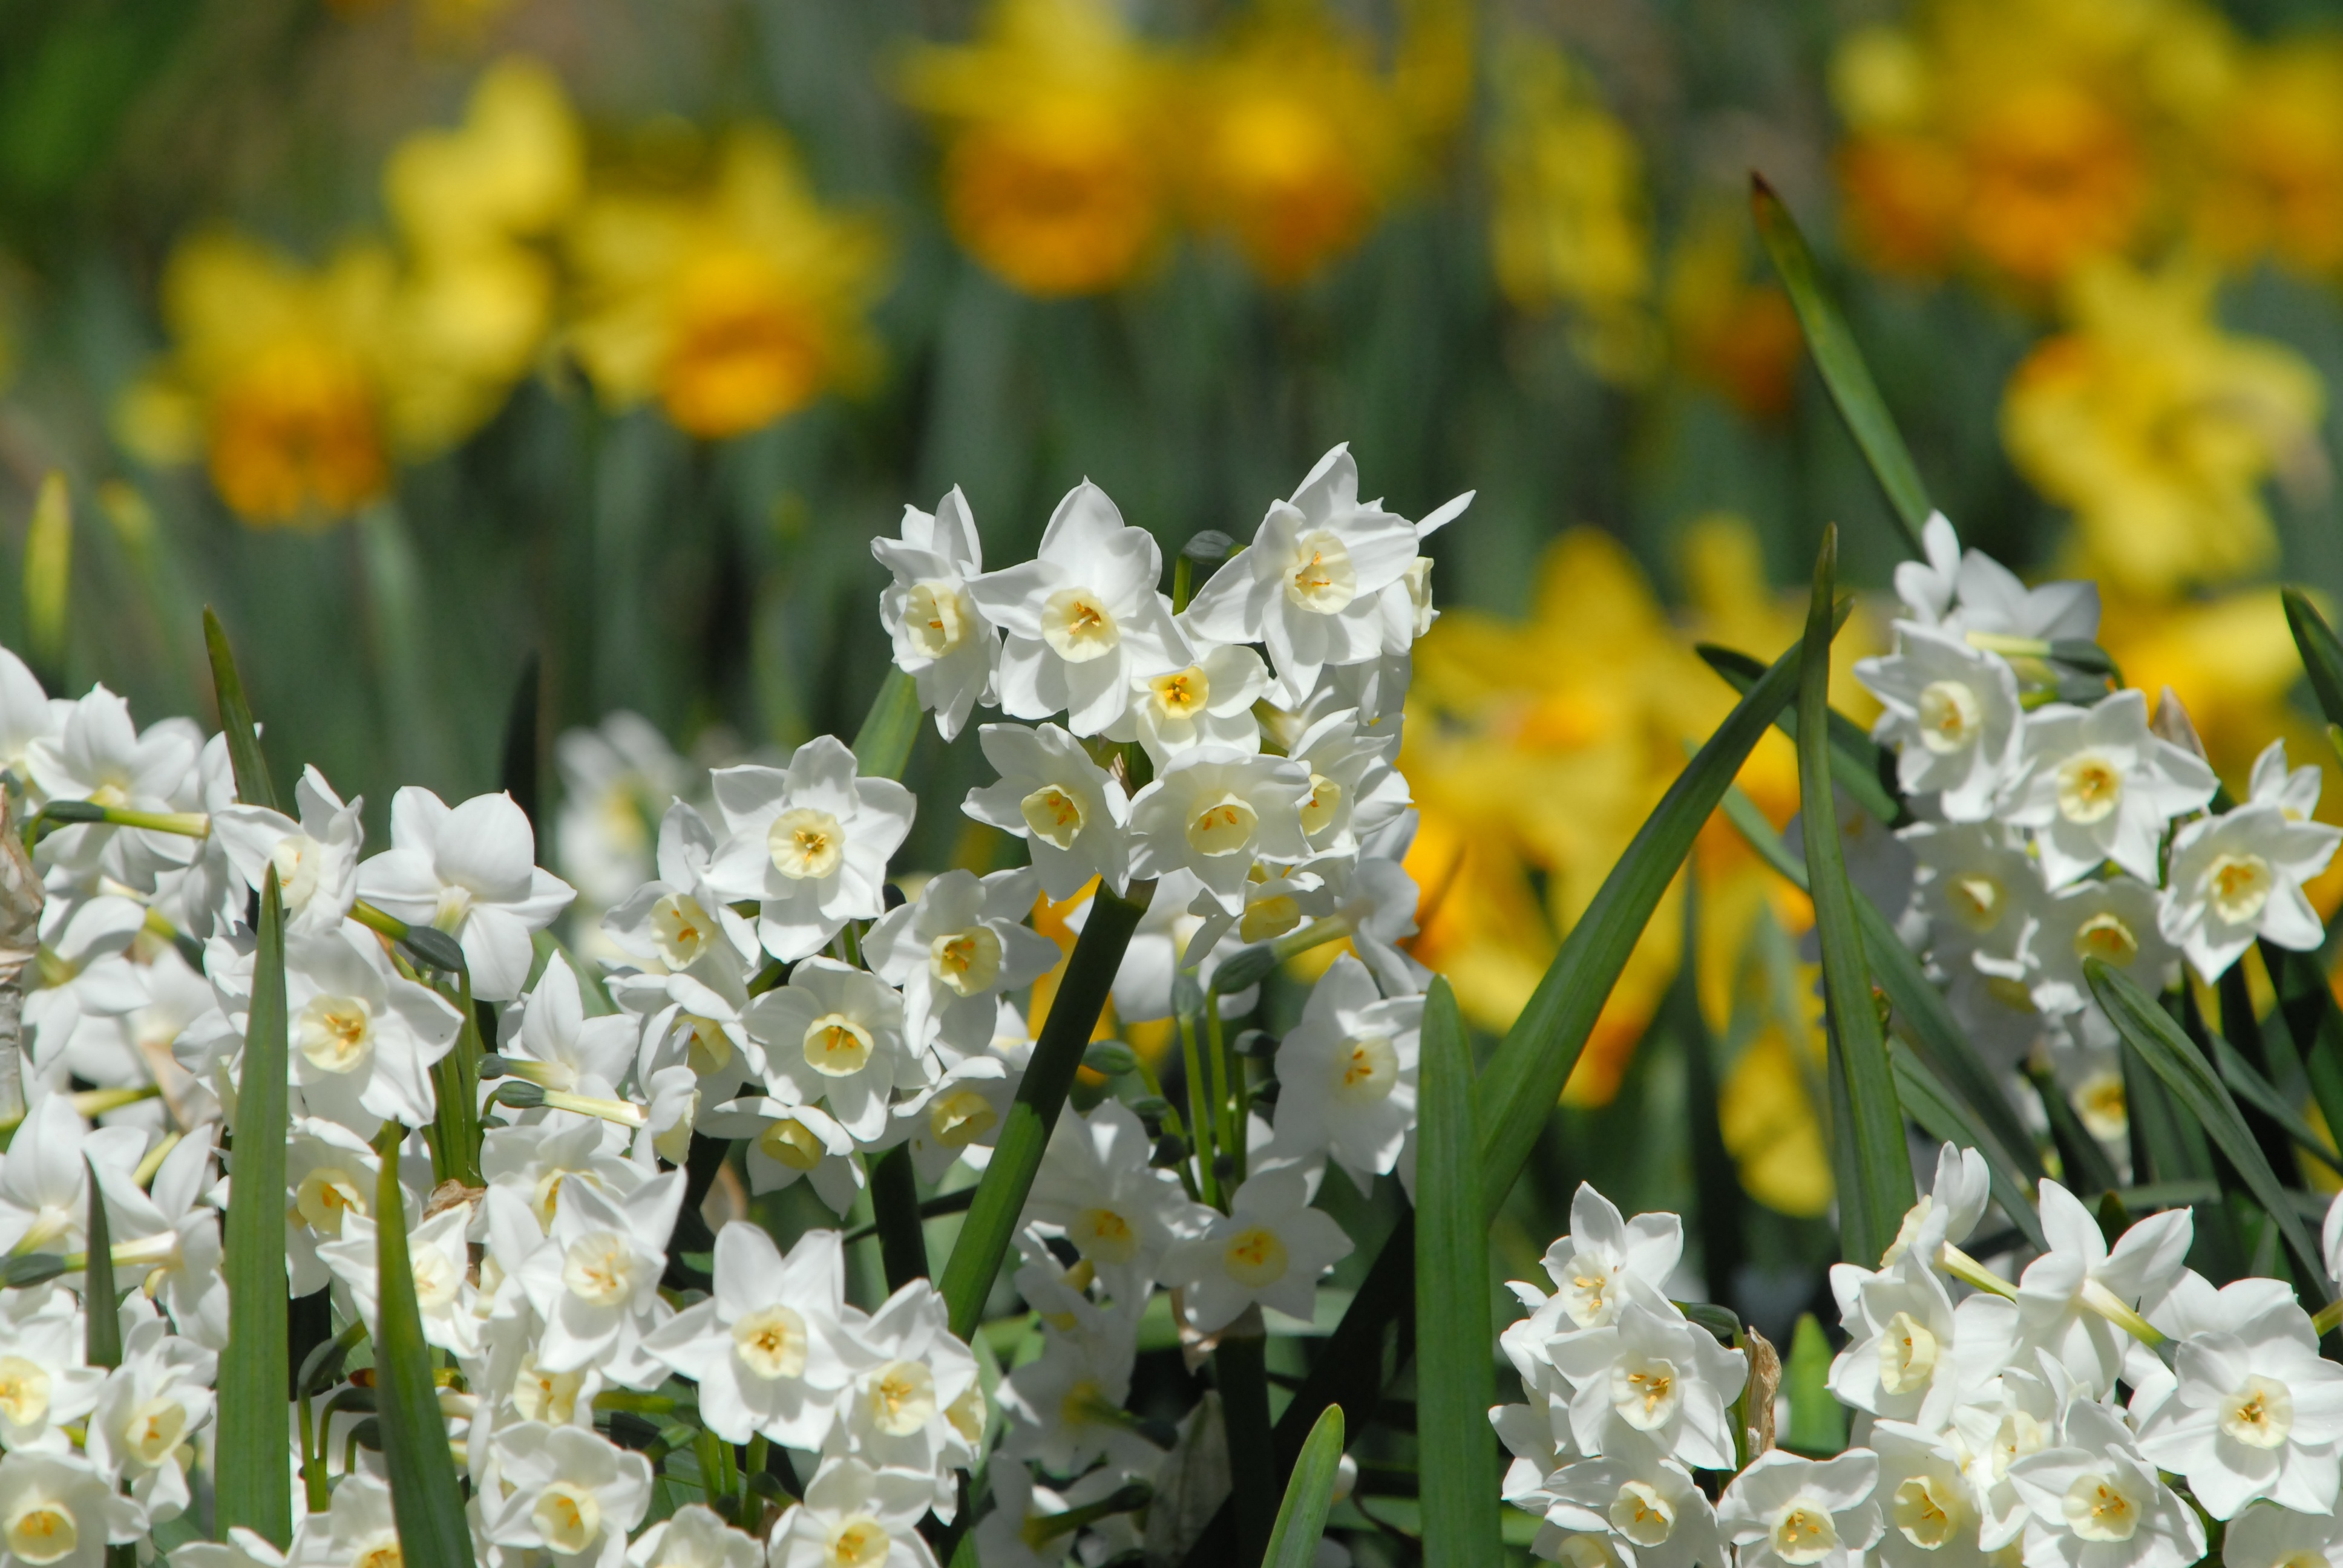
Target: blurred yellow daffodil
[2274, 179]
[733, 305]
[2158, 429]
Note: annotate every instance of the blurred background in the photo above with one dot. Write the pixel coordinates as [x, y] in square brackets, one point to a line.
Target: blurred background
[455, 349]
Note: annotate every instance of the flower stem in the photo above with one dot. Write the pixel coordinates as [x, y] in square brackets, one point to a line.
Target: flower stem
[1239, 1368]
[895, 1205]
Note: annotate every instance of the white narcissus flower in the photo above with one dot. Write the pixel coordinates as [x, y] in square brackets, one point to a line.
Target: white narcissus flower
[811, 843]
[364, 1040]
[833, 1036]
[98, 755]
[1072, 815]
[1926, 586]
[2097, 784]
[1084, 618]
[854, 1516]
[144, 1427]
[1911, 1355]
[2095, 1502]
[471, 871]
[695, 1536]
[1310, 585]
[959, 1117]
[595, 1279]
[1652, 1382]
[1215, 814]
[2295, 792]
[44, 1181]
[2119, 922]
[1932, 1516]
[539, 1163]
[1019, 1532]
[58, 1511]
[770, 1348]
[953, 950]
[1653, 1513]
[1355, 791]
[2062, 1295]
[1952, 714]
[242, 1549]
[916, 1402]
[564, 1049]
[1348, 1071]
[2257, 1413]
[2013, 1415]
[435, 1254]
[1947, 1212]
[1065, 1407]
[2239, 876]
[1269, 1251]
[83, 973]
[1097, 1189]
[357, 1529]
[1981, 891]
[1606, 1261]
[166, 1240]
[678, 923]
[316, 858]
[574, 1495]
[616, 779]
[1785, 1512]
[43, 1386]
[2273, 1537]
[1207, 703]
[942, 641]
[785, 1141]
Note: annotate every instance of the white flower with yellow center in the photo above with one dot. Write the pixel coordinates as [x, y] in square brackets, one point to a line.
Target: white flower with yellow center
[574, 1495]
[43, 1386]
[316, 858]
[364, 1040]
[567, 1050]
[2257, 1413]
[2097, 784]
[1097, 1189]
[436, 1252]
[678, 923]
[1218, 814]
[1074, 816]
[594, 1281]
[769, 1347]
[958, 1118]
[1063, 1409]
[1980, 888]
[469, 870]
[1348, 1073]
[1354, 791]
[1269, 1251]
[144, 1429]
[954, 949]
[2119, 922]
[1084, 618]
[942, 641]
[2064, 1295]
[330, 1174]
[45, 1175]
[914, 1404]
[1951, 712]
[1651, 1383]
[2271, 1537]
[1651, 1514]
[58, 1511]
[2238, 878]
[1911, 1355]
[695, 1536]
[358, 1531]
[540, 1165]
[810, 842]
[1606, 1261]
[98, 754]
[833, 1036]
[1932, 1516]
[785, 1143]
[1783, 1512]
[855, 1516]
[1310, 585]
[618, 779]
[2096, 1501]
[1206, 703]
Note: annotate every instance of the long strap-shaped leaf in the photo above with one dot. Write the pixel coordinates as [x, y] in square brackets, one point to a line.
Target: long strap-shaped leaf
[1943, 1117]
[992, 1221]
[1454, 1382]
[1854, 757]
[2322, 654]
[882, 747]
[1841, 363]
[1302, 1517]
[1521, 1082]
[424, 1501]
[101, 1320]
[1867, 1145]
[253, 1486]
[2168, 1053]
[252, 785]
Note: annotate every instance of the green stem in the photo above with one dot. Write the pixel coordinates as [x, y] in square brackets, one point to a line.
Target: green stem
[1238, 1366]
[1208, 1181]
[895, 1206]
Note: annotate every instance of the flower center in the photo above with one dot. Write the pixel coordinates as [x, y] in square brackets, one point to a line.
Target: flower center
[836, 1046]
[24, 1390]
[1255, 1258]
[1180, 694]
[2259, 1412]
[706, 1047]
[1646, 1395]
[2099, 1101]
[568, 1517]
[2018, 1435]
[681, 930]
[599, 1269]
[1104, 1236]
[324, 1195]
[1587, 1551]
[1223, 828]
[2090, 787]
[1976, 899]
[771, 1341]
[1950, 717]
[297, 858]
[42, 1531]
[2099, 1509]
[548, 1397]
[1322, 579]
[806, 844]
[381, 1554]
[1907, 1354]
[1265, 919]
[154, 1429]
[335, 1034]
[436, 1279]
[1078, 626]
[1053, 815]
[1640, 1514]
[857, 1543]
[793, 1144]
[1926, 1516]
[1804, 1534]
[1587, 1295]
[2240, 885]
[1370, 1071]
[903, 1398]
[966, 963]
[960, 1118]
[2105, 936]
[1321, 806]
[936, 617]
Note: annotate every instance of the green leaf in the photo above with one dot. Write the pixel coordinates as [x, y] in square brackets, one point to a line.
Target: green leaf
[425, 1501]
[882, 747]
[1302, 1517]
[1841, 364]
[102, 1325]
[984, 1235]
[1942, 1115]
[1867, 1147]
[2251, 1086]
[2316, 1024]
[1452, 1367]
[2322, 655]
[1855, 756]
[2159, 1043]
[252, 785]
[254, 1486]
[1817, 1423]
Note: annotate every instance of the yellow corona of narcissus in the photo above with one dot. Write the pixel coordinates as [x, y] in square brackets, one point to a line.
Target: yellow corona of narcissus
[2158, 429]
[1054, 140]
[732, 305]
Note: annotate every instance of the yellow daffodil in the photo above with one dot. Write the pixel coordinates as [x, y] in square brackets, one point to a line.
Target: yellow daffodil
[2274, 180]
[2158, 429]
[732, 305]
[1570, 224]
[1734, 334]
[1054, 134]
